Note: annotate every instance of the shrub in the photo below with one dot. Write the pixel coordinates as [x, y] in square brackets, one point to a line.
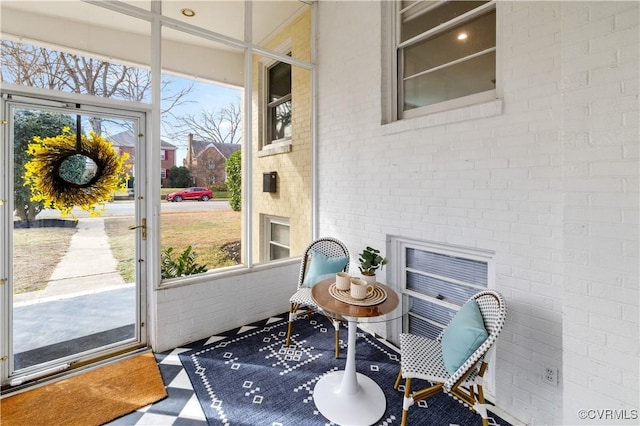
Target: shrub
[184, 264]
[234, 180]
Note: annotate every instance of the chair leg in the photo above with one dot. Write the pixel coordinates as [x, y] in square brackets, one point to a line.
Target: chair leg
[480, 407]
[398, 379]
[407, 401]
[292, 317]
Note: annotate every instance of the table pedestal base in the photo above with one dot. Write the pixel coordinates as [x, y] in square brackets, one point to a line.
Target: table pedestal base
[362, 408]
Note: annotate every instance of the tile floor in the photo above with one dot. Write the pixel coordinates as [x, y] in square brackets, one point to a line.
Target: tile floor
[180, 408]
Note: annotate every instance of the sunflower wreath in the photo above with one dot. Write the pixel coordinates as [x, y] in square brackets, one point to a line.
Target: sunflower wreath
[58, 186]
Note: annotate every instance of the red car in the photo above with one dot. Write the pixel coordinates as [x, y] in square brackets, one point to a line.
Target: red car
[193, 193]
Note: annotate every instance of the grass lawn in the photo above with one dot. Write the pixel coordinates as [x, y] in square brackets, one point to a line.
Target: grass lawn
[122, 246]
[36, 252]
[206, 232]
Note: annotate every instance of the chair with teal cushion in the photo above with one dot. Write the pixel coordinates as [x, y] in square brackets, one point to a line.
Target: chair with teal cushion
[456, 361]
[322, 259]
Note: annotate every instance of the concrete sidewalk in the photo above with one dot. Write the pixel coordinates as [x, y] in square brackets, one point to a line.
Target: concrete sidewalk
[87, 267]
[56, 320]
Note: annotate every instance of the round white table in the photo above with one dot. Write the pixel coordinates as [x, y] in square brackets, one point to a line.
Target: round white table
[347, 397]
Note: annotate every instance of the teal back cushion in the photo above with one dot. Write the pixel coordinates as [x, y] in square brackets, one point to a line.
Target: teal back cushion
[321, 267]
[464, 334]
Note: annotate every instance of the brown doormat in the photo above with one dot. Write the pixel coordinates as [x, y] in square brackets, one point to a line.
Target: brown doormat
[90, 398]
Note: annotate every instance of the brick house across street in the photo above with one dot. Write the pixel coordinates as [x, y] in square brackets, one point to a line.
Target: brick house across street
[125, 142]
[207, 161]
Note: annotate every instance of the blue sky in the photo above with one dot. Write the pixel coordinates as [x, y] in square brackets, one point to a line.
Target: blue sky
[204, 96]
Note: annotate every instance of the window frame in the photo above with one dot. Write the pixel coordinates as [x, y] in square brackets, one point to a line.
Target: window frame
[268, 241]
[268, 146]
[398, 59]
[272, 105]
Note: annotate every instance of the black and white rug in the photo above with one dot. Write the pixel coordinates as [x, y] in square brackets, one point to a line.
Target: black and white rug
[248, 377]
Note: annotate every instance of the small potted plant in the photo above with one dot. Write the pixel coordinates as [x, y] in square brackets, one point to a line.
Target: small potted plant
[370, 261]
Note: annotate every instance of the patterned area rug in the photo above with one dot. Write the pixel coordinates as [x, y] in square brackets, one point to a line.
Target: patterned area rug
[248, 377]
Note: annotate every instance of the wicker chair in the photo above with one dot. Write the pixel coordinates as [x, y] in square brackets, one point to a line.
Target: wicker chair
[301, 304]
[422, 358]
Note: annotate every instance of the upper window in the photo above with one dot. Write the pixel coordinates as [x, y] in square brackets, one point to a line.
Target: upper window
[278, 102]
[446, 55]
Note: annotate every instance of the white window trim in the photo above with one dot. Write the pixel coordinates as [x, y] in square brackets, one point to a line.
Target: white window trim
[455, 115]
[267, 221]
[450, 108]
[279, 146]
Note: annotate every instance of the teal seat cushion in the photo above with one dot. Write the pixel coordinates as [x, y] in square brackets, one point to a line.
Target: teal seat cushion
[321, 267]
[464, 334]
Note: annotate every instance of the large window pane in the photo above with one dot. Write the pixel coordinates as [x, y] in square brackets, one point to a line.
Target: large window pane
[466, 78]
[201, 130]
[452, 59]
[456, 43]
[429, 14]
[279, 102]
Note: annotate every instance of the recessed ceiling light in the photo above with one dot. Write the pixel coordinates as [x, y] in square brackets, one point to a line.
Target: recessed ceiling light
[189, 13]
[462, 36]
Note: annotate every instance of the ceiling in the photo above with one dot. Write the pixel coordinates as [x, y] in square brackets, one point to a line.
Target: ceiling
[82, 27]
[222, 17]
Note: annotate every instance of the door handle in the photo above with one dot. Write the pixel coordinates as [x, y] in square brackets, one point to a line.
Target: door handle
[142, 226]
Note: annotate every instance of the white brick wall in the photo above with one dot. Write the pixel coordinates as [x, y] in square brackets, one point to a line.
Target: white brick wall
[193, 312]
[600, 326]
[549, 182]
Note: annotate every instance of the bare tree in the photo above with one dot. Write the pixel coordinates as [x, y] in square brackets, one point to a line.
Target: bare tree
[222, 125]
[34, 66]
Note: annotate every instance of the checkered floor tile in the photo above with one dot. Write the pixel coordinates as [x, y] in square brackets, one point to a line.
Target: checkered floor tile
[180, 408]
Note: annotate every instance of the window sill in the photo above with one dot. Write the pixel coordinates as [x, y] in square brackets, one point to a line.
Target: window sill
[471, 112]
[280, 147]
[222, 273]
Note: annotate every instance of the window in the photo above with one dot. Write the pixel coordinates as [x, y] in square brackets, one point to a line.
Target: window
[446, 53]
[278, 102]
[277, 237]
[437, 279]
[163, 155]
[163, 173]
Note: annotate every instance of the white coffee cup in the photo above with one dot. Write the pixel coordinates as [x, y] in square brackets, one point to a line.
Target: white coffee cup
[360, 289]
[343, 281]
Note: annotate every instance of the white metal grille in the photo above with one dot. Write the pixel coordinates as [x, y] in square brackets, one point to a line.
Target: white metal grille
[437, 281]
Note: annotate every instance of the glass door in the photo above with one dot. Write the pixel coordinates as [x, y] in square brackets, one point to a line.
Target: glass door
[73, 226]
